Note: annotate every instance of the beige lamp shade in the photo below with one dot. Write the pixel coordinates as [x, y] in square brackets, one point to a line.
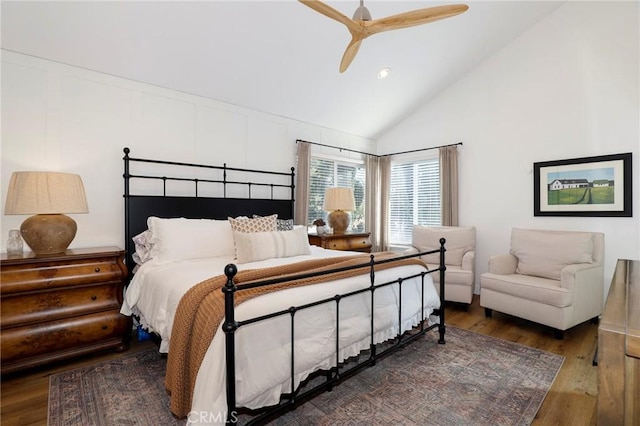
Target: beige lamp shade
[45, 193]
[339, 201]
[48, 195]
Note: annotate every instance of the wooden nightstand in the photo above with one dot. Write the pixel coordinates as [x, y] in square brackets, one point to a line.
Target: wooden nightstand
[60, 306]
[353, 241]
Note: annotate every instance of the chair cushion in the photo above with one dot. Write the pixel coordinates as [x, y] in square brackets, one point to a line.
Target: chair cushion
[527, 287]
[459, 240]
[545, 253]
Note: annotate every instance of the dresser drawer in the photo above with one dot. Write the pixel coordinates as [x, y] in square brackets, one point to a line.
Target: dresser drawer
[352, 241]
[349, 243]
[52, 305]
[60, 306]
[51, 275]
[19, 344]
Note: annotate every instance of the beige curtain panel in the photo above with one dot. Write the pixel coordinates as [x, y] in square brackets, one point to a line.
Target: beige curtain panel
[303, 160]
[385, 183]
[449, 185]
[372, 200]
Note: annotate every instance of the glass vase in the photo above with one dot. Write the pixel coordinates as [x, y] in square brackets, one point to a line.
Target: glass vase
[14, 243]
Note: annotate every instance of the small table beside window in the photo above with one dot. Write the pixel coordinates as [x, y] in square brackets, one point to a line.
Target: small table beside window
[352, 241]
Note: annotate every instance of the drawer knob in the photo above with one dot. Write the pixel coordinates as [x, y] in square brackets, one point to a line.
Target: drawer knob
[97, 269]
[94, 297]
[104, 327]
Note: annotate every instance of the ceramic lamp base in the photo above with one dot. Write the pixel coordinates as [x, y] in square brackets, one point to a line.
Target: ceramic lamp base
[339, 221]
[48, 233]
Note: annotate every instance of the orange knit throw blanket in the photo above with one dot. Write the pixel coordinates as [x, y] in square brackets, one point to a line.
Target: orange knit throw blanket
[201, 310]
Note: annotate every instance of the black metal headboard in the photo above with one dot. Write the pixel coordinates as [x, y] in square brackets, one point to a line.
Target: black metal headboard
[230, 197]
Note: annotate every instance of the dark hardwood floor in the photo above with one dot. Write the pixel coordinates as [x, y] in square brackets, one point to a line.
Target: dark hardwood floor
[571, 400]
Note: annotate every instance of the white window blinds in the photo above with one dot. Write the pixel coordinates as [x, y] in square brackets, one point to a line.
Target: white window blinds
[414, 199]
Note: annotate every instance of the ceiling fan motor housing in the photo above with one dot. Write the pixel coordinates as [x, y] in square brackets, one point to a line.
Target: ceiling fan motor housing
[362, 14]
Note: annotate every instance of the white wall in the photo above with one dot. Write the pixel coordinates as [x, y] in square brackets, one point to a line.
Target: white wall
[567, 88]
[62, 118]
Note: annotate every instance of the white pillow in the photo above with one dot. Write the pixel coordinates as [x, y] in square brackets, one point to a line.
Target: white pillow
[254, 246]
[182, 239]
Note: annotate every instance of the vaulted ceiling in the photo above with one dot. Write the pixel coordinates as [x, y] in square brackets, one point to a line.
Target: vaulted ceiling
[278, 57]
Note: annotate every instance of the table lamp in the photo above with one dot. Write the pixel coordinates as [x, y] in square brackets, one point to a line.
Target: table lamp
[48, 196]
[338, 201]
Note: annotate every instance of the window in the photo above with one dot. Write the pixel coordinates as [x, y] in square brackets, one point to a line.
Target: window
[414, 199]
[326, 173]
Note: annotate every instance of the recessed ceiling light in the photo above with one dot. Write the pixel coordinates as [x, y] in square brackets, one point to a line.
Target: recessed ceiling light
[384, 73]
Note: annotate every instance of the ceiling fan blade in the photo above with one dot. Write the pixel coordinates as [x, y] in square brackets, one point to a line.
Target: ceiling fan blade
[350, 53]
[363, 28]
[413, 18]
[330, 12]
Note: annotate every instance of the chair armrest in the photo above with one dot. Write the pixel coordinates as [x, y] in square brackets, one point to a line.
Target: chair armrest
[503, 264]
[469, 260]
[410, 250]
[589, 275]
[586, 281]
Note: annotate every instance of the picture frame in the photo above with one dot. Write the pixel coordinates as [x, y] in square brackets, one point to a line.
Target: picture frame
[588, 186]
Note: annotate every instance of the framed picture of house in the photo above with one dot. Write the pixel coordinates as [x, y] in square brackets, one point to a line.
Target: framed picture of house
[589, 186]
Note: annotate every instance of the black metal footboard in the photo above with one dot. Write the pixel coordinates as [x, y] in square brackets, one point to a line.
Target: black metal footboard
[335, 374]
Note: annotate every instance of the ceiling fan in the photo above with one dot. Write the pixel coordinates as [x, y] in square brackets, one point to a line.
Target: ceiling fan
[362, 26]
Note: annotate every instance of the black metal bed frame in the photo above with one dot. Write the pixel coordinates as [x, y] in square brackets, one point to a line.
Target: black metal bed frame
[139, 207]
[334, 375]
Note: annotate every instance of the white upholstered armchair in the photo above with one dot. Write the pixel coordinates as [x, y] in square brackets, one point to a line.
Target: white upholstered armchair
[459, 258]
[554, 278]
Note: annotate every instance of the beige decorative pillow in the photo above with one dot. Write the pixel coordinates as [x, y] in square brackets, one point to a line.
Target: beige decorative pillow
[254, 246]
[460, 239]
[258, 224]
[544, 253]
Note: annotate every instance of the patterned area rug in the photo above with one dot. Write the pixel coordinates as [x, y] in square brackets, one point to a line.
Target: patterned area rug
[471, 380]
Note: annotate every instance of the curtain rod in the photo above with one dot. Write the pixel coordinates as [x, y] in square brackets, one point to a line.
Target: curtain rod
[379, 156]
[420, 149]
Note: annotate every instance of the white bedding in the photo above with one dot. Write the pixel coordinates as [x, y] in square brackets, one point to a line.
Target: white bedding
[263, 349]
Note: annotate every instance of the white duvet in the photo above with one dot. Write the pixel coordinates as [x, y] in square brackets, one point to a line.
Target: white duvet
[263, 350]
